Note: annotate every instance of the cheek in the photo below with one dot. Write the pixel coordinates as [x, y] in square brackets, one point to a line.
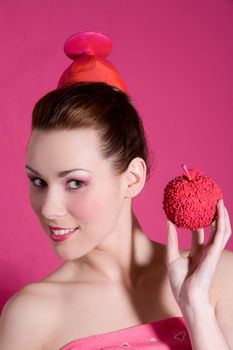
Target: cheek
[35, 200]
[96, 205]
[85, 207]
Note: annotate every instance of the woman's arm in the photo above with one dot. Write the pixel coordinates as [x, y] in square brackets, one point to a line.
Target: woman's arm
[191, 278]
[204, 330]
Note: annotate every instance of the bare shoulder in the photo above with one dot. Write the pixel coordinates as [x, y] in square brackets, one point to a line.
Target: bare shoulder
[226, 260]
[223, 283]
[224, 291]
[24, 321]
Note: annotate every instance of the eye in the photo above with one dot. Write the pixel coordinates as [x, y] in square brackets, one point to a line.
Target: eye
[37, 182]
[75, 184]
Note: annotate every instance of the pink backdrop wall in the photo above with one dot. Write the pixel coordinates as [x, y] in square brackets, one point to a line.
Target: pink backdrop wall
[177, 59]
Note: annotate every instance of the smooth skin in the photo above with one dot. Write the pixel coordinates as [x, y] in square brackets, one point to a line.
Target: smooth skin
[113, 275]
[191, 278]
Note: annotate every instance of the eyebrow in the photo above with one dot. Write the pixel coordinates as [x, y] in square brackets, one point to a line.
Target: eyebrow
[60, 174]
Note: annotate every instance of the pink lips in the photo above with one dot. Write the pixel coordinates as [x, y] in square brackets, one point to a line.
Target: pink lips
[60, 238]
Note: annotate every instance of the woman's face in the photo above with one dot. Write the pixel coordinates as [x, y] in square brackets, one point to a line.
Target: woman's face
[73, 187]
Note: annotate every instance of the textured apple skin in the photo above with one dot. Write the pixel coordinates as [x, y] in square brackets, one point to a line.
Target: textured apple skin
[191, 204]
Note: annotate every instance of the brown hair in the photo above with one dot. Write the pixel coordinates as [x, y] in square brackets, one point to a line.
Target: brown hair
[97, 106]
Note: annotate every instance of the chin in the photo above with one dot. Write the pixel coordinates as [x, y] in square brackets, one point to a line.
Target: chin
[68, 253]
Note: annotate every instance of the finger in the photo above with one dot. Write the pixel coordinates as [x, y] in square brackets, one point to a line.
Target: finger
[213, 228]
[172, 243]
[218, 237]
[198, 239]
[227, 227]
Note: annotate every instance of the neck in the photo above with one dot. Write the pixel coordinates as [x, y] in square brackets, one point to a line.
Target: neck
[121, 257]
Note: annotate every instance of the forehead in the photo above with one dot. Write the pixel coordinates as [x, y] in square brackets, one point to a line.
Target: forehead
[63, 148]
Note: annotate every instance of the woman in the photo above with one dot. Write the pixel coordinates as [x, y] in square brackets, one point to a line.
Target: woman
[86, 160]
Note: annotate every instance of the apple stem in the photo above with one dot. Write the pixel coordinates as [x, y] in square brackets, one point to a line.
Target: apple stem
[187, 173]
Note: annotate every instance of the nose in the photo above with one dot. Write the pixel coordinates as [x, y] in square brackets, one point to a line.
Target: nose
[53, 205]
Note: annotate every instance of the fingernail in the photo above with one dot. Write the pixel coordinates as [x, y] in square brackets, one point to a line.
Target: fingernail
[221, 203]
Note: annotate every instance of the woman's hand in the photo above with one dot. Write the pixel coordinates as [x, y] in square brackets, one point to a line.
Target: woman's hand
[191, 276]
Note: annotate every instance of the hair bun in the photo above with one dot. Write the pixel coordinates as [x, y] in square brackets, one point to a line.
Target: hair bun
[87, 43]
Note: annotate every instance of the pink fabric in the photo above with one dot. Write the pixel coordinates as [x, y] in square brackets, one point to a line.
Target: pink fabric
[170, 333]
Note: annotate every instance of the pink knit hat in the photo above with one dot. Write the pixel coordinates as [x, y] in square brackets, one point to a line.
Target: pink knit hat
[88, 51]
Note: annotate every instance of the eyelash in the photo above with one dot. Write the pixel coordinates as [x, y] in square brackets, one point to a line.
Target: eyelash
[32, 180]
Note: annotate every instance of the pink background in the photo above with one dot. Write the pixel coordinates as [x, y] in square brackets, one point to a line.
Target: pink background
[177, 60]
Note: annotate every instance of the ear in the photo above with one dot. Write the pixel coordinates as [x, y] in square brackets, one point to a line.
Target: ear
[135, 177]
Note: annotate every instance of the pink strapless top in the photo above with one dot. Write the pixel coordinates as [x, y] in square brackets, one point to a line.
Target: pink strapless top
[170, 333]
